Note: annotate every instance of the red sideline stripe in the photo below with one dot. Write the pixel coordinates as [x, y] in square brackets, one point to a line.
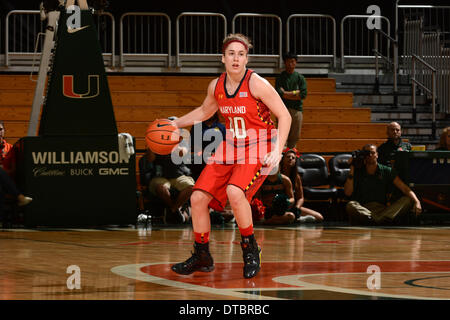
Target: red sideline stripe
[435, 204]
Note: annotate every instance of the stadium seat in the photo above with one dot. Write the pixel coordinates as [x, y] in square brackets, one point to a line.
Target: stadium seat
[315, 179]
[339, 169]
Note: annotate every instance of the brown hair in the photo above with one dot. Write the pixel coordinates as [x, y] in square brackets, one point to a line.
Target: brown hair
[236, 37]
[443, 139]
[292, 175]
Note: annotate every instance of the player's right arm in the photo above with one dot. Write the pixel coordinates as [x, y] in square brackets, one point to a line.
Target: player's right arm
[204, 112]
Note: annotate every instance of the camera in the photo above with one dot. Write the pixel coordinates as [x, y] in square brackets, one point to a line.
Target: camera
[358, 157]
[280, 204]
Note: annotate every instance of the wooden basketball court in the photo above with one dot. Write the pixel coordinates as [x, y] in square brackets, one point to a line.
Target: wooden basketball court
[302, 262]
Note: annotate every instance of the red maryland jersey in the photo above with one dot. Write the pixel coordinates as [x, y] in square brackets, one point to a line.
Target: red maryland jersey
[248, 121]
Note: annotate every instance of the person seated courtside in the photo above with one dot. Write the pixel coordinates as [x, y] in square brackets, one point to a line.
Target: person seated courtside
[394, 143]
[368, 185]
[8, 188]
[289, 168]
[277, 198]
[444, 140]
[205, 137]
[208, 130]
[170, 175]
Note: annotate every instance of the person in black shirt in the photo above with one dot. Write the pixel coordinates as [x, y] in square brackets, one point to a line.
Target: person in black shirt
[386, 151]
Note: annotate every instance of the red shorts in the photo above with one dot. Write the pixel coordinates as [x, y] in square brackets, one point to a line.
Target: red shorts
[215, 178]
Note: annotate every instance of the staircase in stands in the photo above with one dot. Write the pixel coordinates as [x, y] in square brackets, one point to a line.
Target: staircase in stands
[383, 109]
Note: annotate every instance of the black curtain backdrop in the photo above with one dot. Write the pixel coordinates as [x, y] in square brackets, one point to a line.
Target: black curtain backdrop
[283, 8]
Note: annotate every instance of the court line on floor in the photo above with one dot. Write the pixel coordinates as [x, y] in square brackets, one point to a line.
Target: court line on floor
[294, 280]
[133, 271]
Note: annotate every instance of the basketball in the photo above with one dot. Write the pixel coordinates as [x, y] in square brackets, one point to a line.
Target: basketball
[162, 136]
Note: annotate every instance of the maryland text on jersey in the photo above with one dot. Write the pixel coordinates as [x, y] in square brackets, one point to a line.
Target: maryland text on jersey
[233, 109]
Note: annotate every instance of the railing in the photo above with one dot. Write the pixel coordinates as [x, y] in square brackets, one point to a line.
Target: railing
[432, 16]
[142, 43]
[25, 26]
[428, 46]
[393, 62]
[265, 31]
[412, 43]
[106, 33]
[360, 45]
[436, 18]
[445, 80]
[431, 54]
[311, 37]
[203, 33]
[146, 40]
[432, 91]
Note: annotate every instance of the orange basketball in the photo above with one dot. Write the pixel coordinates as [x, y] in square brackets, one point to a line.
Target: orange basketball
[162, 136]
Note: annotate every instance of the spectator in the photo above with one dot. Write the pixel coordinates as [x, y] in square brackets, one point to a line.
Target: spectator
[291, 86]
[386, 151]
[369, 186]
[277, 197]
[198, 144]
[7, 185]
[170, 175]
[444, 141]
[289, 168]
[5, 147]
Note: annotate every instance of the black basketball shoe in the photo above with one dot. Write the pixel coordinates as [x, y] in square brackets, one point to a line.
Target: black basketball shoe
[251, 253]
[201, 260]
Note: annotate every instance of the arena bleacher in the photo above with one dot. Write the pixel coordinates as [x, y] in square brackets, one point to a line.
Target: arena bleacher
[358, 78]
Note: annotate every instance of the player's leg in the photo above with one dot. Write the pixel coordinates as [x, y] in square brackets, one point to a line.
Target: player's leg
[251, 252]
[201, 259]
[209, 190]
[244, 182]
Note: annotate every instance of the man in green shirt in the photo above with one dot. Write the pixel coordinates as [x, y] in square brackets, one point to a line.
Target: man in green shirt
[369, 189]
[291, 86]
[386, 151]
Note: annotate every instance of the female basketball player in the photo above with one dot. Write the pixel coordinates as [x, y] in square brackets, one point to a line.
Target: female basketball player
[246, 101]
